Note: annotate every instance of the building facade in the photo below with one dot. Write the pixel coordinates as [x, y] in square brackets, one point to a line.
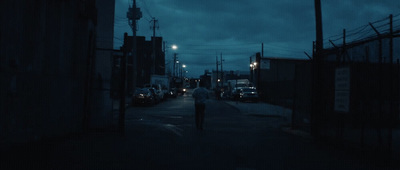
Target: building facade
[144, 61]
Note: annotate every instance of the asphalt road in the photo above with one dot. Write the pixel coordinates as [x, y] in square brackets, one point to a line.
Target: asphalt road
[164, 137]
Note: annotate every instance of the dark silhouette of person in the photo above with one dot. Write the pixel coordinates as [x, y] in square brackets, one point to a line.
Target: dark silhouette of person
[200, 96]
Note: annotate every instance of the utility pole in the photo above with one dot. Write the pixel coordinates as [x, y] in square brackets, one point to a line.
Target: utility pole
[133, 15]
[257, 68]
[262, 50]
[163, 46]
[251, 71]
[122, 93]
[153, 56]
[222, 74]
[180, 70]
[174, 69]
[216, 80]
[317, 108]
[318, 17]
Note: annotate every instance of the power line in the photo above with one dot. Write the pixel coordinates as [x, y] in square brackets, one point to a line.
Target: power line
[146, 8]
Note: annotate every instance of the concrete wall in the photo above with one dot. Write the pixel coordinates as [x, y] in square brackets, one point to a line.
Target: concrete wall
[44, 73]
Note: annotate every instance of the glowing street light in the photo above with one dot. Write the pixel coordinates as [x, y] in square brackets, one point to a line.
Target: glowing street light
[184, 66]
[174, 47]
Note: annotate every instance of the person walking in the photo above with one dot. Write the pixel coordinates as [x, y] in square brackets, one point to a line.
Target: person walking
[200, 96]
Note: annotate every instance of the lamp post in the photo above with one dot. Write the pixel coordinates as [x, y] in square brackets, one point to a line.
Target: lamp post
[255, 72]
[174, 47]
[253, 69]
[177, 68]
[183, 67]
[251, 73]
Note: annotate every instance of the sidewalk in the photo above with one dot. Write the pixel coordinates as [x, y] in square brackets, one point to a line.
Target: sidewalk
[268, 110]
[351, 137]
[262, 109]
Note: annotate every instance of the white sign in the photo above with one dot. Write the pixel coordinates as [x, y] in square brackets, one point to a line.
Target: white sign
[265, 64]
[342, 89]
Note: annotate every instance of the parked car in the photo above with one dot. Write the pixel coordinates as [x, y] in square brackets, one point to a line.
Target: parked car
[157, 97]
[143, 96]
[157, 89]
[248, 94]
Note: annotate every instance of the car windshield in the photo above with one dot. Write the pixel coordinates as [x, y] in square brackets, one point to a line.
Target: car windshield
[141, 91]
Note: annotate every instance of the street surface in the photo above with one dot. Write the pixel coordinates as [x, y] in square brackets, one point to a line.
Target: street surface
[164, 137]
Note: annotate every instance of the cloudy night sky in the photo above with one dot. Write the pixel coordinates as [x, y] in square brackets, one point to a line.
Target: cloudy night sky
[236, 28]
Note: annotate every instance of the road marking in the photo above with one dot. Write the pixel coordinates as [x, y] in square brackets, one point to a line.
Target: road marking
[173, 129]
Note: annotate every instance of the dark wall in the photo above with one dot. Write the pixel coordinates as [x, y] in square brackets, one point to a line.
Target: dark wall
[276, 84]
[302, 102]
[46, 63]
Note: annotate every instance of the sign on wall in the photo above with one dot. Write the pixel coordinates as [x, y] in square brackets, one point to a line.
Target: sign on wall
[342, 89]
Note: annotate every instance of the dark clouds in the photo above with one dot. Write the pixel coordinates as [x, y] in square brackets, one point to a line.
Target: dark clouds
[237, 27]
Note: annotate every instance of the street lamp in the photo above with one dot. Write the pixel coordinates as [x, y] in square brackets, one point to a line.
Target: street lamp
[174, 47]
[181, 69]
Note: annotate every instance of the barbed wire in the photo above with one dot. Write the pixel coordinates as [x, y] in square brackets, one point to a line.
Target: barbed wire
[365, 32]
